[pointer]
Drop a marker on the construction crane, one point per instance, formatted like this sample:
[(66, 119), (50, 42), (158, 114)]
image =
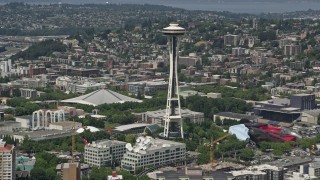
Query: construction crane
[(213, 142)]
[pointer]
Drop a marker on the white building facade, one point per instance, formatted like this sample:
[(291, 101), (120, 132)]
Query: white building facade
[(104, 152), (149, 152)]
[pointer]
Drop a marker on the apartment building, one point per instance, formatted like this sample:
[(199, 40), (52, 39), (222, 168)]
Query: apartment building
[(104, 152), (292, 50), (7, 161), (152, 152), (231, 40)]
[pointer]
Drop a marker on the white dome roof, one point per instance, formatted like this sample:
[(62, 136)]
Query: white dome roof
[(90, 128)]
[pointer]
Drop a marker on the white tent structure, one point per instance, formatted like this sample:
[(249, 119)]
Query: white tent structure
[(101, 96), (90, 128), (241, 132)]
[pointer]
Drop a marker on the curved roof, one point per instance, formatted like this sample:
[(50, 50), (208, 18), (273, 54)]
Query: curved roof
[(152, 128), (174, 29), (101, 96)]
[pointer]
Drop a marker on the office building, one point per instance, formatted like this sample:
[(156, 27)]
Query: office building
[(7, 161), (152, 152), (303, 101), (104, 152)]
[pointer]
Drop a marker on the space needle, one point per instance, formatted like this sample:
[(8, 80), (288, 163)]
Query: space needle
[(173, 120)]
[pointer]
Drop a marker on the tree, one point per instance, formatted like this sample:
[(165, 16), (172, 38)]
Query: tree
[(218, 121), (131, 138), (246, 154)]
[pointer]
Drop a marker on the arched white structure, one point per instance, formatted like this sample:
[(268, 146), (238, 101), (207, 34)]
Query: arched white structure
[(42, 118), (95, 111)]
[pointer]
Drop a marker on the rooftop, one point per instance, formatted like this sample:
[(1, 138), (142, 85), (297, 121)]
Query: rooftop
[(131, 126), (101, 96), (238, 116), (104, 143), (147, 144)]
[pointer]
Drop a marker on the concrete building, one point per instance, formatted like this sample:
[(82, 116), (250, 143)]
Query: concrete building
[(191, 173), (30, 93), (191, 60), (136, 128), (284, 109), (152, 152), (303, 101), (82, 88), (217, 58), (7, 161), (263, 172), (238, 51), (65, 125), (30, 83), (9, 125), (235, 117), (148, 88), (231, 40), (157, 117), (310, 116), (5, 67), (70, 171), (292, 50), (104, 152), (312, 169), (25, 121)]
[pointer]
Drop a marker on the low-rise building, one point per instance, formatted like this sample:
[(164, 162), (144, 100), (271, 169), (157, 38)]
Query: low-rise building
[(157, 117), (104, 152), (153, 152), (30, 93), (235, 116)]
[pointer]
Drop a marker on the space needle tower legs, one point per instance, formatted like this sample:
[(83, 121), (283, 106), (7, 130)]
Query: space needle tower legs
[(173, 120)]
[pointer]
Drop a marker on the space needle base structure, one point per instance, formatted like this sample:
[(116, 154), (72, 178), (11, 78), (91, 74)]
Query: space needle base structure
[(172, 120)]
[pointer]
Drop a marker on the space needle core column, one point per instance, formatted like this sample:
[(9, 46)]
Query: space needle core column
[(173, 121)]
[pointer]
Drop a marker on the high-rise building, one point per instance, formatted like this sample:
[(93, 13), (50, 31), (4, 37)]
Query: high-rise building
[(173, 120), (152, 152), (231, 40), (292, 50), (104, 152), (254, 23), (7, 161)]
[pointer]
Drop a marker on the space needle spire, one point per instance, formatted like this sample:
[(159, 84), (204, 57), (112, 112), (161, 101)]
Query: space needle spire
[(173, 120)]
